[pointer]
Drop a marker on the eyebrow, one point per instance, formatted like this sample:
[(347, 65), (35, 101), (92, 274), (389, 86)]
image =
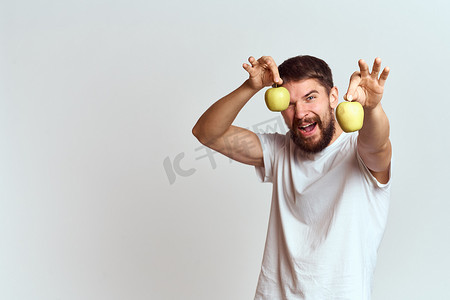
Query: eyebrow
[(311, 92), (307, 94)]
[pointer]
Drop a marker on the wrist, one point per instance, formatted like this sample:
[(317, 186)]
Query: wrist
[(370, 109), (248, 85)]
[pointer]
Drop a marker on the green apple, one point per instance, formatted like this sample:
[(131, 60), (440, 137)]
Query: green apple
[(350, 116), (277, 98)]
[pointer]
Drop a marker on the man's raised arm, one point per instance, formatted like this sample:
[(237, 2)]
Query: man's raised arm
[(214, 129), (374, 145)]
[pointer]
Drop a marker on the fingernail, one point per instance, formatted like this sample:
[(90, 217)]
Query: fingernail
[(349, 97)]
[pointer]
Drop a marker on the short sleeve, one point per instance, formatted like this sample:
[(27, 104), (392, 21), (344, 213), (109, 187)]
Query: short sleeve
[(369, 176), (271, 143)]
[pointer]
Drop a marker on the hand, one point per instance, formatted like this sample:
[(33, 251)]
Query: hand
[(263, 72), (365, 87)]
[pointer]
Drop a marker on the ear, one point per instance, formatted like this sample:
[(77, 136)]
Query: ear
[(334, 97)]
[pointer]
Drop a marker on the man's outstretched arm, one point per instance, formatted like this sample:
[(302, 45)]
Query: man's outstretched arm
[(374, 145), (214, 129)]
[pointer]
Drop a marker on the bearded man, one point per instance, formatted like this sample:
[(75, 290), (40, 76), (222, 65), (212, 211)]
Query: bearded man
[(330, 189)]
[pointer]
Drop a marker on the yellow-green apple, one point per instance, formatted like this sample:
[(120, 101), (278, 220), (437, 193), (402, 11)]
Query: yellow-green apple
[(350, 116), (277, 98)]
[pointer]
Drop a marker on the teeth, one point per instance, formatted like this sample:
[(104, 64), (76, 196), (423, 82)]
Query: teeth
[(307, 125)]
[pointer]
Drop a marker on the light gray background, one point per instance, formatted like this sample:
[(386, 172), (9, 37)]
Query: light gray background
[(95, 96)]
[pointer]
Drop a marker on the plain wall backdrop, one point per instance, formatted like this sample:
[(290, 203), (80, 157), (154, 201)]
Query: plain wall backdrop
[(105, 193)]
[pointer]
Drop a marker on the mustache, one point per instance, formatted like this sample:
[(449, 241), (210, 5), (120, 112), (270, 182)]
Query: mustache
[(309, 119)]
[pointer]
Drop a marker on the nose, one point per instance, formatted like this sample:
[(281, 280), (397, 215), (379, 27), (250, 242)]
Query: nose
[(301, 110)]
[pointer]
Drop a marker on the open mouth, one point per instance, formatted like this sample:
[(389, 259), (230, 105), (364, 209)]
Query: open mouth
[(308, 127)]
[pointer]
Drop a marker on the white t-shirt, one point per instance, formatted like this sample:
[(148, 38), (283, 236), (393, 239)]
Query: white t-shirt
[(327, 220)]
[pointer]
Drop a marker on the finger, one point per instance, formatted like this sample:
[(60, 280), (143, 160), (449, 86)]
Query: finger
[(272, 66), (384, 76), (351, 94), (252, 60), (247, 67), (363, 67), (376, 67)]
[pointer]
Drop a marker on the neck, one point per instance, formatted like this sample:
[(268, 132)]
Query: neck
[(337, 131)]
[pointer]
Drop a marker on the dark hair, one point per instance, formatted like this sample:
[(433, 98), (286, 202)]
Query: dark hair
[(306, 67)]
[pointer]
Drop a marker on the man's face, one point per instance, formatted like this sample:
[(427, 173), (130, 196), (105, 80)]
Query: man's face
[(310, 115)]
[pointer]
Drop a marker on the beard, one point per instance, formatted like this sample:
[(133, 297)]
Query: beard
[(327, 130)]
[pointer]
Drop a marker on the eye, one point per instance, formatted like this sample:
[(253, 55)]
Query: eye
[(310, 98)]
